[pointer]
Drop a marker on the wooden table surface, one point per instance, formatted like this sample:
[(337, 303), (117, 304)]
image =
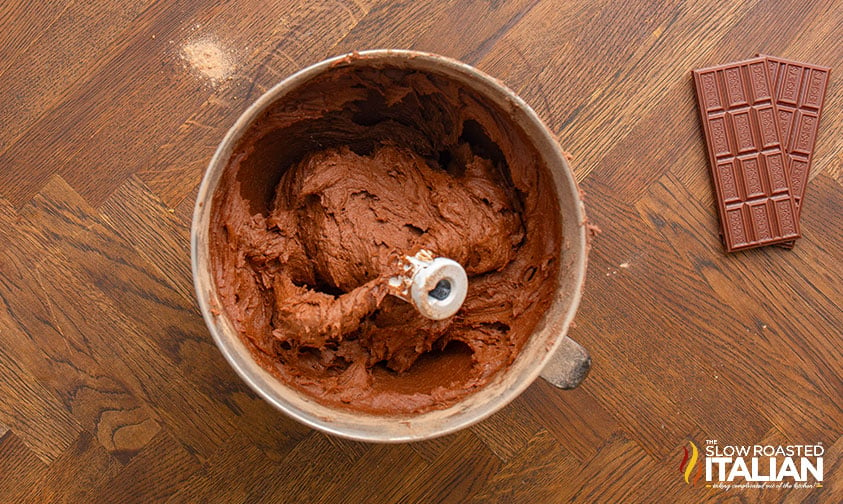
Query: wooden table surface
[(111, 389)]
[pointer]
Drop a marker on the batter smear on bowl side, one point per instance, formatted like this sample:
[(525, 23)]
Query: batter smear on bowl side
[(337, 182)]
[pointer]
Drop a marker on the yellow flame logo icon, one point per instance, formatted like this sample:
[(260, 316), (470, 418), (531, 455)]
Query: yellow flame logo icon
[(689, 462)]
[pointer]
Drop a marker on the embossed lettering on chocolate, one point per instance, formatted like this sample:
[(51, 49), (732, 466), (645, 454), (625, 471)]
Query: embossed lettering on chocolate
[(747, 159), (341, 178)]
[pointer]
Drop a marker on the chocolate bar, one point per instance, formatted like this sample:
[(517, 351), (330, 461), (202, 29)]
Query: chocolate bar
[(747, 160), (798, 91)]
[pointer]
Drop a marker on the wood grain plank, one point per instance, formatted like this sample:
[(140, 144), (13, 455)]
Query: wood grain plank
[(354, 449), (621, 335), (573, 417), (198, 420), (639, 278), (309, 471), (661, 479), (106, 396), (272, 432), (34, 414), (97, 400), (613, 391), (40, 336), (175, 347), (437, 27), (658, 68), (22, 23), (430, 449), (94, 124), (83, 466), (611, 475), (538, 473), (820, 232), (762, 27), (20, 467), (397, 464), (456, 474), (83, 239), (649, 155), (228, 475), (624, 60), (283, 39), (53, 53), (562, 53), (510, 429), (184, 210), (746, 288), (128, 328), (14, 233), (153, 476), (145, 222)]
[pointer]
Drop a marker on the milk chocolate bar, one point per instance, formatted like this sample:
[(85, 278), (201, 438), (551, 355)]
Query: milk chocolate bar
[(798, 92), (747, 159)]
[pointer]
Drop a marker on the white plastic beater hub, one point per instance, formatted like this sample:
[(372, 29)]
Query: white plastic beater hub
[(435, 286)]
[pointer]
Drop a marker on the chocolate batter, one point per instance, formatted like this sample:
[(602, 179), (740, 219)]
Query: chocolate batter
[(332, 187)]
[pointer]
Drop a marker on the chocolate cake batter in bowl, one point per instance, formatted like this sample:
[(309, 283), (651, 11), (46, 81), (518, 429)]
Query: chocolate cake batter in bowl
[(341, 188)]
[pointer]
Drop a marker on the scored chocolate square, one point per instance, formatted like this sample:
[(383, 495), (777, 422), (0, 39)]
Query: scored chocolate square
[(798, 91), (747, 159)]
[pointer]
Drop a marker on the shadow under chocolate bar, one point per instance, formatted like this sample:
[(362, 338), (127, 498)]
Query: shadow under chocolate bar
[(748, 164)]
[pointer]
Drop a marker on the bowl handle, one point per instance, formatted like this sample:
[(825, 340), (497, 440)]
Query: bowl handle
[(569, 365)]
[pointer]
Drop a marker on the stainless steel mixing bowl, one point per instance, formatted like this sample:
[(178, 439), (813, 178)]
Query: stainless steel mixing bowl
[(548, 352)]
